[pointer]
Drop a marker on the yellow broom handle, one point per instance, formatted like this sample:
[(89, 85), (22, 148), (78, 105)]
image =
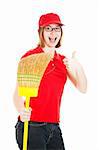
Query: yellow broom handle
[(25, 136)]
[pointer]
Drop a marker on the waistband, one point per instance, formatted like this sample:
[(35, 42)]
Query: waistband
[(38, 123)]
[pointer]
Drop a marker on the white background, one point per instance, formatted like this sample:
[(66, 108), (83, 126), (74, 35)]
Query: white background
[(18, 33)]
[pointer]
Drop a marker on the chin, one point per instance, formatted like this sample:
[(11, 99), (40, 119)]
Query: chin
[(52, 45)]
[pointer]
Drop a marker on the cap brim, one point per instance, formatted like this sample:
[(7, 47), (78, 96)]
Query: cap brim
[(46, 24)]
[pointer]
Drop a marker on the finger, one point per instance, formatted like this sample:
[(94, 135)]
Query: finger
[(27, 110), (65, 59), (25, 114), (28, 114), (74, 54), (68, 67), (25, 119), (66, 62), (30, 109)]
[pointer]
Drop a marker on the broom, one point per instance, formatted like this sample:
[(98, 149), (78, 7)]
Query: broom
[(29, 75)]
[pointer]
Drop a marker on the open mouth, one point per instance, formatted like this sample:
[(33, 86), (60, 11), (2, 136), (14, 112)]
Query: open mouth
[(52, 39)]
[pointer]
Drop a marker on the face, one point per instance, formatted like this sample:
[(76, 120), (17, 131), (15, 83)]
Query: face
[(52, 35)]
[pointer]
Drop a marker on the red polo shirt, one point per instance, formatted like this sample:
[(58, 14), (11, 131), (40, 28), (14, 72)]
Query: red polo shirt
[(46, 106)]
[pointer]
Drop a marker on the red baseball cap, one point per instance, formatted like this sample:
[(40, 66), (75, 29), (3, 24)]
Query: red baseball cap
[(49, 18)]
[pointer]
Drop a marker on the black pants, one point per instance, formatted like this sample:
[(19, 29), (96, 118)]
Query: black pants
[(42, 136)]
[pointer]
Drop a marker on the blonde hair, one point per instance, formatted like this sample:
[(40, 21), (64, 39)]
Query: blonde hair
[(41, 38)]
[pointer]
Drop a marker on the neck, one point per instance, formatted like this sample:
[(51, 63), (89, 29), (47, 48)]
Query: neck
[(49, 49)]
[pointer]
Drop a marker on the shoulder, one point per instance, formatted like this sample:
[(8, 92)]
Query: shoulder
[(31, 51)]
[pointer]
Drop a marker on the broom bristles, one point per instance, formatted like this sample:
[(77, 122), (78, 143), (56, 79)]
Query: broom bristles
[(31, 70)]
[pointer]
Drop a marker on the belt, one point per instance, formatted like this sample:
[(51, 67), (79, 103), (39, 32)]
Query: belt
[(41, 123)]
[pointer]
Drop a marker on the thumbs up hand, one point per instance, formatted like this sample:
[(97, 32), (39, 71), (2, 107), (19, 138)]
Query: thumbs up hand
[(71, 63), (76, 73)]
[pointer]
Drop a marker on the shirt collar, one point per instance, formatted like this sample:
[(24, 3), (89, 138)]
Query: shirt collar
[(42, 51)]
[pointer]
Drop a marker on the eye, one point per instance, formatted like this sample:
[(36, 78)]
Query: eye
[(58, 28), (48, 28)]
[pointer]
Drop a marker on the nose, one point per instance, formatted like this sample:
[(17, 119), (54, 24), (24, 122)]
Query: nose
[(53, 32)]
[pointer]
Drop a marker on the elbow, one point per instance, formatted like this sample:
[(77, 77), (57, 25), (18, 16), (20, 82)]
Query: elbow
[(82, 88)]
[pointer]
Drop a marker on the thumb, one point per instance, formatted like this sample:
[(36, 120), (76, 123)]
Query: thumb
[(74, 54), (30, 109)]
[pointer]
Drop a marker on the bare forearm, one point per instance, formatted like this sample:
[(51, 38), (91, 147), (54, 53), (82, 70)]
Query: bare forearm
[(78, 78), (81, 81), (18, 101), (19, 104)]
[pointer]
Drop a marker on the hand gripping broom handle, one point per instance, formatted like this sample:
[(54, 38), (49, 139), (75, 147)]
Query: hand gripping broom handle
[(25, 136)]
